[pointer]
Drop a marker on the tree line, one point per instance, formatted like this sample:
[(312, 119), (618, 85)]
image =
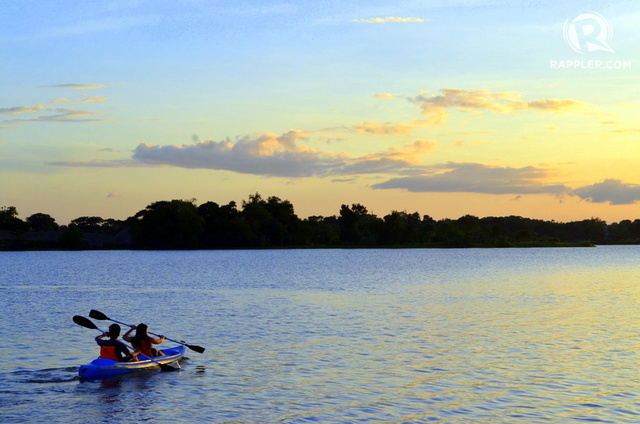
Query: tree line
[(272, 223)]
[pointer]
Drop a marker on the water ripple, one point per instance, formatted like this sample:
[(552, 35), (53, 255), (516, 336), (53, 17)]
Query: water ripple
[(420, 336)]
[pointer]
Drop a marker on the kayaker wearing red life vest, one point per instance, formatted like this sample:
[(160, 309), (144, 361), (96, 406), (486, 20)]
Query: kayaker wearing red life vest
[(113, 348), (142, 342)]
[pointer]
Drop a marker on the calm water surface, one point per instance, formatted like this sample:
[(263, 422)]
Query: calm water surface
[(330, 336)]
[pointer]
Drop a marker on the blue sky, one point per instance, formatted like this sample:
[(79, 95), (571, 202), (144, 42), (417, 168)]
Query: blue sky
[(109, 106)]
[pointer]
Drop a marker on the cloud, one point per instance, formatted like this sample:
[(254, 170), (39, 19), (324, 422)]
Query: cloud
[(610, 190), (76, 86), (477, 178), (436, 108), (270, 155), (21, 109), (94, 99), (261, 154), (384, 96), (55, 114), (396, 160), (389, 19), (62, 115), (290, 155), (377, 128), (98, 163), (408, 153)]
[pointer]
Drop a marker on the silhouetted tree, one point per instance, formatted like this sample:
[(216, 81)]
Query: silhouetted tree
[(173, 224), (348, 222), (223, 226), (322, 231), (272, 221), (9, 220), (42, 222), (593, 229), (404, 228), (89, 224)]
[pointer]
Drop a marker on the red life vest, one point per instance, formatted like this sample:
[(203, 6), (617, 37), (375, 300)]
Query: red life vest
[(108, 352), (143, 346)]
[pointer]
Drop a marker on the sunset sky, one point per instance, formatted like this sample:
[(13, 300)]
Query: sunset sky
[(442, 107)]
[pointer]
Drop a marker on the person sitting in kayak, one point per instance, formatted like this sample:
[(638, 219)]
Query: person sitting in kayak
[(113, 348), (142, 342)]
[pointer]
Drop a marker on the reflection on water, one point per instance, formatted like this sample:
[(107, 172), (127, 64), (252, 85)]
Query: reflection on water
[(451, 336)]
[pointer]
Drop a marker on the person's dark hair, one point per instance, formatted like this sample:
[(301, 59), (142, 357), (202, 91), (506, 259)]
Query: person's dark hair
[(141, 332), (114, 331)]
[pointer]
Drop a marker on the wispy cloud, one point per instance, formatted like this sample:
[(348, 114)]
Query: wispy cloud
[(74, 86), (406, 159), (388, 128), (70, 115), (99, 163), (384, 96), (436, 108), (93, 99), (57, 115), (18, 110), (388, 19), (45, 112), (610, 190)]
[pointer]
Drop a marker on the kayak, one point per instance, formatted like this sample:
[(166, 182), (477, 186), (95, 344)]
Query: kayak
[(103, 367)]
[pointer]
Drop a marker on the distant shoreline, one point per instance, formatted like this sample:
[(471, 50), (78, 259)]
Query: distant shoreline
[(271, 223), (434, 246)]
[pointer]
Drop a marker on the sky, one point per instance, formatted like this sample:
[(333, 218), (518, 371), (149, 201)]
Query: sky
[(446, 108)]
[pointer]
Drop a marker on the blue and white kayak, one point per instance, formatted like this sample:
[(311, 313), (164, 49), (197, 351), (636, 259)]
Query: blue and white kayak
[(102, 367)]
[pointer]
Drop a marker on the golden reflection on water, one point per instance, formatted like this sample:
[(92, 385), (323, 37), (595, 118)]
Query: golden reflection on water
[(564, 337)]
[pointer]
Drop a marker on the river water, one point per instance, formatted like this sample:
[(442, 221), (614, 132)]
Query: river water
[(330, 336)]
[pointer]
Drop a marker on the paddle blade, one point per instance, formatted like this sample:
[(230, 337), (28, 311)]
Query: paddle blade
[(84, 322), (98, 315), (198, 349), (169, 368)]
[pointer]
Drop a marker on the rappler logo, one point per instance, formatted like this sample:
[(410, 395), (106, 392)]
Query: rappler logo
[(588, 32)]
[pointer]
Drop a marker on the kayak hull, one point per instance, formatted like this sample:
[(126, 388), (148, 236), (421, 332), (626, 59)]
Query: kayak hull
[(102, 367)]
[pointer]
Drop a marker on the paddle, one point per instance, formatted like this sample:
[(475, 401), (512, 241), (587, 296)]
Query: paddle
[(85, 322), (100, 316)]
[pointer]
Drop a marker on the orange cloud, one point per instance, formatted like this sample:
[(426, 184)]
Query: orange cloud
[(378, 128), (436, 107), (384, 96), (74, 86)]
